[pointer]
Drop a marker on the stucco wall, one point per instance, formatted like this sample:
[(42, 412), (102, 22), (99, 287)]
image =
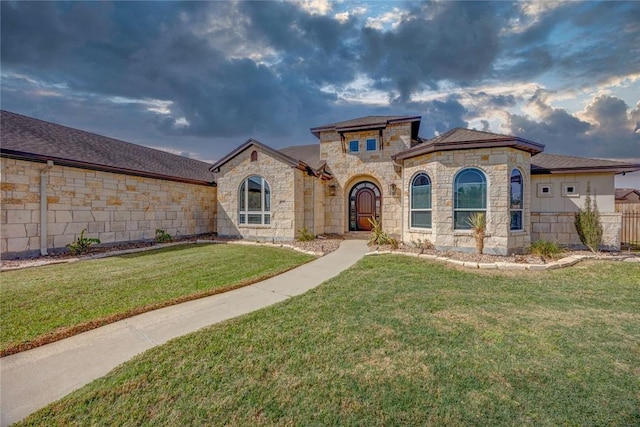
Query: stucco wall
[(112, 207), (602, 186), (376, 166), (287, 197), (442, 167)]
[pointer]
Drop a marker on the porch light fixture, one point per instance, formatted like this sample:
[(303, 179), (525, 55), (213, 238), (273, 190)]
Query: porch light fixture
[(393, 189)]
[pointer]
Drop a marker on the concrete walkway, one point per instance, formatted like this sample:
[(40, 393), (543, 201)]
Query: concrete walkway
[(32, 379)]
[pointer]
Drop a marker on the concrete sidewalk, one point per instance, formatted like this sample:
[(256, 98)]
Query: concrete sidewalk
[(32, 379)]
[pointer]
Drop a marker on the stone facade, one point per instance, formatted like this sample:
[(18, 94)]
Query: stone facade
[(442, 167), (287, 186), (349, 169), (560, 228), (112, 207)]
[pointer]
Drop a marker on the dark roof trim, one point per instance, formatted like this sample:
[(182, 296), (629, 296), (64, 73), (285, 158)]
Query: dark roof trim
[(431, 147), (349, 126), (622, 168), (275, 153), (19, 155)]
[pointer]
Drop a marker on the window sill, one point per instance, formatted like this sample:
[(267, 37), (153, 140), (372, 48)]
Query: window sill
[(420, 230), (254, 225), (467, 233)]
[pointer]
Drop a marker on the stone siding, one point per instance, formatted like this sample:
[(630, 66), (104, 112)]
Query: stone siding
[(287, 197), (560, 228), (349, 169), (442, 167), (112, 207)]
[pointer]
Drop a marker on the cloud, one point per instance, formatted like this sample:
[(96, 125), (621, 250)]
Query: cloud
[(605, 128)]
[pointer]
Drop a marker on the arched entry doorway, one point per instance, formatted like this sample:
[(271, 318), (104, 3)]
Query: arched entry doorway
[(364, 204)]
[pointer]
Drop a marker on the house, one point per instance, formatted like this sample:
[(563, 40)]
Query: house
[(57, 181), (378, 167), (627, 195)]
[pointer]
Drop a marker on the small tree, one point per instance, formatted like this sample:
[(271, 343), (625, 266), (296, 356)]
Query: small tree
[(587, 222), (478, 223)]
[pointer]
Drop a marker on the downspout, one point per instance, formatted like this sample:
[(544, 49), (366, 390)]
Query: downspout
[(44, 173)]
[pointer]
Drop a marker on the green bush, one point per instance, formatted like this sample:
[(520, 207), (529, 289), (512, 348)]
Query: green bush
[(588, 224), (162, 236), (304, 235), (81, 244), (546, 248)]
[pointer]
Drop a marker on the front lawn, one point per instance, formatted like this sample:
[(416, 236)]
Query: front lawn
[(41, 304), (396, 341)]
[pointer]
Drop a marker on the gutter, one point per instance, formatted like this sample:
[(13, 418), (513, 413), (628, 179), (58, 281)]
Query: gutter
[(44, 174)]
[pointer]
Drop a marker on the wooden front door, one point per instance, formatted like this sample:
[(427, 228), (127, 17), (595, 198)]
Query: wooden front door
[(365, 208)]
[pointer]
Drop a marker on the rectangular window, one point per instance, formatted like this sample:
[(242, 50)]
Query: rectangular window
[(570, 189), (372, 144), (354, 146), (545, 190)]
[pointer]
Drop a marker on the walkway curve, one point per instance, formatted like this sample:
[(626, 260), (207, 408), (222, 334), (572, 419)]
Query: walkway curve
[(32, 379)]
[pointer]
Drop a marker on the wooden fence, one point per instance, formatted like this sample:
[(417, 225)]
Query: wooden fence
[(630, 230)]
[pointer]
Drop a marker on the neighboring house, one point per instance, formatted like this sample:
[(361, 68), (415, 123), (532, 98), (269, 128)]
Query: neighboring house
[(371, 167), (627, 195), (57, 181), (378, 167)]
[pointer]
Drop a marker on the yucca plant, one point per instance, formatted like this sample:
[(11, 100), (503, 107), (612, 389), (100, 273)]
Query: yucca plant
[(378, 236), (478, 223)]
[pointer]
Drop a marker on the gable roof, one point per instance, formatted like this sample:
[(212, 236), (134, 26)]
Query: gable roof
[(32, 139), (553, 163), (364, 123), (461, 139), (622, 193), (254, 143), (309, 154)]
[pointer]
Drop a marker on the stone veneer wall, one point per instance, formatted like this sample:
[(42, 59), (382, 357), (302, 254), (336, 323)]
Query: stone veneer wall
[(560, 228), (376, 166), (112, 207), (287, 197), (314, 193), (442, 167)]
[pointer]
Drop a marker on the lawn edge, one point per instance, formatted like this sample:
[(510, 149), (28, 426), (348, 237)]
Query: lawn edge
[(70, 331)]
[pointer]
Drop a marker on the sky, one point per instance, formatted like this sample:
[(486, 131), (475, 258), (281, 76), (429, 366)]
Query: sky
[(200, 78)]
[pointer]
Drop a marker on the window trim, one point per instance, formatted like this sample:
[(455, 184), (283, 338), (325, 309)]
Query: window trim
[(567, 193), (521, 208), (265, 196), (375, 144), (412, 209), (485, 182), (351, 146), (542, 186)]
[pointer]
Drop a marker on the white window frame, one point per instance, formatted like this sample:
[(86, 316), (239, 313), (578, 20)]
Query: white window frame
[(541, 188), (565, 189), (412, 209), (478, 210), (375, 144), (265, 214), (515, 210)]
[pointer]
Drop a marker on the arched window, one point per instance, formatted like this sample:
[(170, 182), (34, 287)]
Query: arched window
[(469, 197), (420, 201), (254, 201), (516, 193)]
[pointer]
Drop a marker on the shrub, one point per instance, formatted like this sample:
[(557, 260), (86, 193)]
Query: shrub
[(423, 245), (81, 244), (587, 222), (304, 235), (546, 248), (162, 236), (478, 223), (378, 236), (394, 243)]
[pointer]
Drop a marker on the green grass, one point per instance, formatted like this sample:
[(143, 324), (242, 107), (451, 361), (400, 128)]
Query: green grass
[(42, 304), (396, 341)]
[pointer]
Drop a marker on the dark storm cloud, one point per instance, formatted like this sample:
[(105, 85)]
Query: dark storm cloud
[(455, 41), (440, 116), (606, 131)]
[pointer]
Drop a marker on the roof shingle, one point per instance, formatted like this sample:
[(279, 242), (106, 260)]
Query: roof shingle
[(30, 138)]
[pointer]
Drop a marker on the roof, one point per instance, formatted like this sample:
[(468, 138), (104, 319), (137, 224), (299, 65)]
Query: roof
[(553, 163), (460, 139), (622, 193), (254, 143), (32, 139), (309, 154), (364, 123)]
